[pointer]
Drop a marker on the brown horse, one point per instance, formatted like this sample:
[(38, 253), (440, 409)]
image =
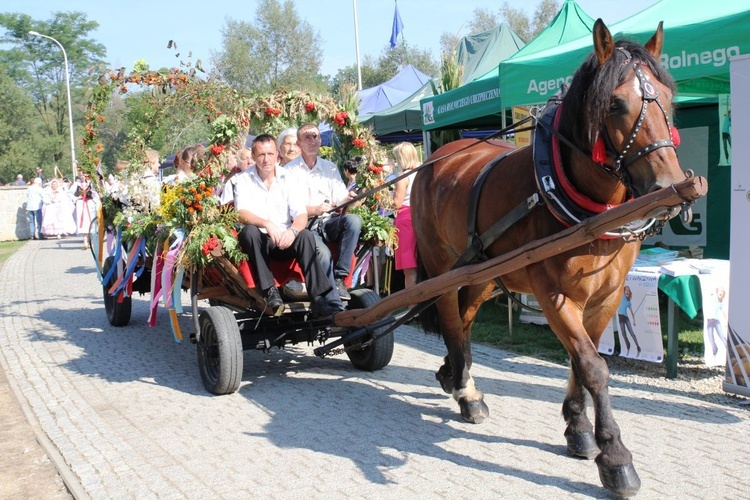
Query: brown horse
[(613, 141)]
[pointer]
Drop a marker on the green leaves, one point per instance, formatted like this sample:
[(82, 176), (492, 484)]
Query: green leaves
[(223, 130), (375, 227)]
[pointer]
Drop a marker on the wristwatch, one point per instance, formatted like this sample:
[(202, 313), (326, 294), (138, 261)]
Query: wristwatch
[(294, 231)]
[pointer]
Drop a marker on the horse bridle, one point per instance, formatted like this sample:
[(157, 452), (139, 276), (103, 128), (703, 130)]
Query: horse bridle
[(648, 94)]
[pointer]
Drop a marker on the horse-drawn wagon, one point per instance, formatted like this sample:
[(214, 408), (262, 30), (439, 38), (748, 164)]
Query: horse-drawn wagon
[(556, 221)]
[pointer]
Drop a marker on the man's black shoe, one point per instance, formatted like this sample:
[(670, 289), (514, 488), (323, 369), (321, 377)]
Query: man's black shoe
[(273, 301), (341, 288)]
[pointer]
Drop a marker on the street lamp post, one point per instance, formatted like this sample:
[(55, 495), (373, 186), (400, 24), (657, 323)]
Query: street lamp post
[(70, 106)]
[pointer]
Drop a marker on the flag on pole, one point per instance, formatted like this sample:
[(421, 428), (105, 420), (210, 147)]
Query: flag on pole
[(398, 26)]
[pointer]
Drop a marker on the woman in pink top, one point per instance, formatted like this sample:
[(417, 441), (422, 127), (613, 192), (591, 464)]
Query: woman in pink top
[(407, 158)]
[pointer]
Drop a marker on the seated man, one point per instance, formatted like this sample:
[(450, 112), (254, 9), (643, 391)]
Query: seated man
[(325, 190), (271, 207)]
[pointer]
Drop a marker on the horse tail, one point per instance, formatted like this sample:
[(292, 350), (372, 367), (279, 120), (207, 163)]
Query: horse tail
[(429, 317)]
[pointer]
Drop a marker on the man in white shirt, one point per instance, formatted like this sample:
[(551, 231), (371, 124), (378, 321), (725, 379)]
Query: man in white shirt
[(271, 207), (326, 190), (34, 202)]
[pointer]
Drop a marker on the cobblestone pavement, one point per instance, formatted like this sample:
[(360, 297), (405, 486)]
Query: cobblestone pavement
[(127, 412)]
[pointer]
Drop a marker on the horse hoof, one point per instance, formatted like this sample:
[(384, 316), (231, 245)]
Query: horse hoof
[(621, 480), (473, 411), (446, 382), (582, 445)]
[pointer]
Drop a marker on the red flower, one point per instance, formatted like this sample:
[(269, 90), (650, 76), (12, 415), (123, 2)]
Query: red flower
[(358, 143), (375, 169), (217, 149), (340, 118), (209, 245), (310, 106), (273, 111)]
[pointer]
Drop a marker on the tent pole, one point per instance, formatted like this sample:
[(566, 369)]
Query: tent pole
[(426, 142), (503, 121)]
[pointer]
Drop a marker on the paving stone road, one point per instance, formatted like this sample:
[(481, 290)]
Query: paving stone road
[(128, 416)]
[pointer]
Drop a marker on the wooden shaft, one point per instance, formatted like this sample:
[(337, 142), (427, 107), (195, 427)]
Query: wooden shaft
[(654, 205)]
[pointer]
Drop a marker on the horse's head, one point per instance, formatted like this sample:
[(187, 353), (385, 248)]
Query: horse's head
[(619, 107)]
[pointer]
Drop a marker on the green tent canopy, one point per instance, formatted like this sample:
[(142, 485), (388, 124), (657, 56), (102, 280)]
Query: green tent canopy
[(699, 39), (478, 104), (571, 23), (480, 94)]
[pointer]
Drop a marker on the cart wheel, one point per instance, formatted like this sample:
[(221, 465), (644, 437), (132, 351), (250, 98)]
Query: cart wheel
[(118, 313), (220, 351), (378, 354)]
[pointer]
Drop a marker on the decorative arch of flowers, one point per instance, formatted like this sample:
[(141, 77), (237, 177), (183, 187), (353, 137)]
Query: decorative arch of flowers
[(189, 210)]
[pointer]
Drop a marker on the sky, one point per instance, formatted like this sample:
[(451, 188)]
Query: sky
[(141, 29)]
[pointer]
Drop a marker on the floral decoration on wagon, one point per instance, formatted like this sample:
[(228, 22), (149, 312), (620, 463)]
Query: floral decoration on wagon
[(192, 207), (281, 109)]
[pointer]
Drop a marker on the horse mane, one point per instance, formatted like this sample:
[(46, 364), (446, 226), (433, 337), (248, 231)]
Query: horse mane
[(586, 105)]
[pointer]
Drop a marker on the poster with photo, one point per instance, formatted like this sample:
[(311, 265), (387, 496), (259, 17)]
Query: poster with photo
[(606, 342), (715, 291), (637, 318), (725, 127)]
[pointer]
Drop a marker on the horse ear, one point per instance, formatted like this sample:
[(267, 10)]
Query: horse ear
[(656, 43), (604, 45)]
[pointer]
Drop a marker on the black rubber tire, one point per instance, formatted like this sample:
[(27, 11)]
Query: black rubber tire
[(378, 354), (118, 313), (220, 351)]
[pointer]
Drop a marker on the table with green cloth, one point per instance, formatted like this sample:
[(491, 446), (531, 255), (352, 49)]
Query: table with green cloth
[(685, 292)]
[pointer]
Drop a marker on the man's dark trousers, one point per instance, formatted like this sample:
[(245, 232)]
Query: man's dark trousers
[(259, 247)]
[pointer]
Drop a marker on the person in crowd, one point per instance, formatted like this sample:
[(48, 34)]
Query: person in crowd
[(243, 163), (407, 158), (40, 174), (57, 211), (326, 190), (34, 202), (626, 327), (86, 200), (271, 207), (288, 147), (189, 157), (151, 168), (350, 171), (19, 181)]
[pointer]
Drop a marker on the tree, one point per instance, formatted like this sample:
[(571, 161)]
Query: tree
[(524, 26), (36, 64), (19, 134), (528, 28), (278, 49), (483, 20)]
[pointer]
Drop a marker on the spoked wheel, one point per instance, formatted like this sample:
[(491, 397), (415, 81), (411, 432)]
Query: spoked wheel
[(378, 354), (118, 313), (220, 351)]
